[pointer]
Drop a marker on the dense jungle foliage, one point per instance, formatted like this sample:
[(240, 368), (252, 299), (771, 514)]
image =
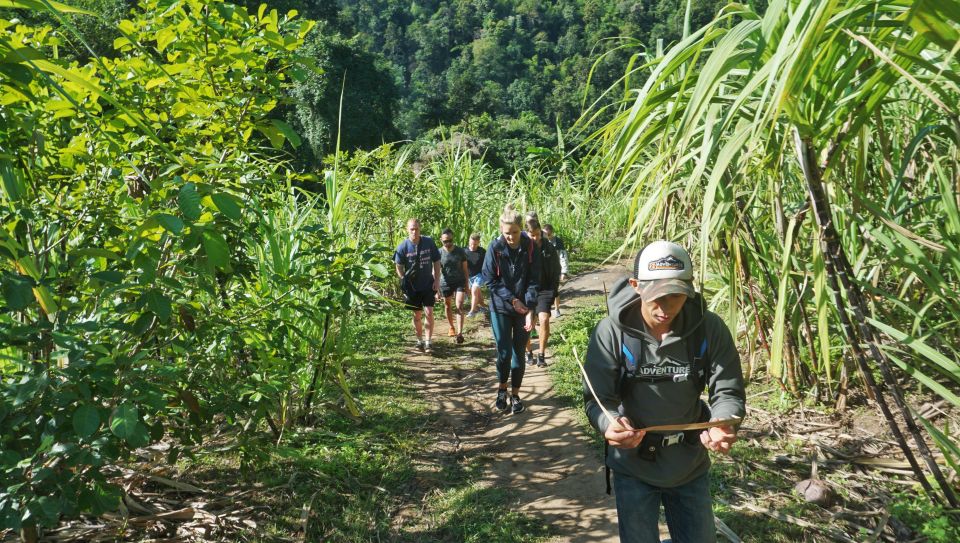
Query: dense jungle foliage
[(163, 272), (509, 72)]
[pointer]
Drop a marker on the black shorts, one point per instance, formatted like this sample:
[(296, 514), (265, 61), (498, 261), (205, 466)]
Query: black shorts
[(545, 300), (449, 290), (419, 299)]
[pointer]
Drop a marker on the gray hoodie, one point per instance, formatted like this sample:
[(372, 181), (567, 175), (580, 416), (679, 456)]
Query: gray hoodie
[(664, 402)]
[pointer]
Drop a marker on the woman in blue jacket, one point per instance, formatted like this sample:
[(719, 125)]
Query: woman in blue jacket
[(511, 270)]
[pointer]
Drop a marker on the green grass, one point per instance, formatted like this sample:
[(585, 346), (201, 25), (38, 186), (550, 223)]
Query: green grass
[(592, 254), (376, 479), (575, 328)]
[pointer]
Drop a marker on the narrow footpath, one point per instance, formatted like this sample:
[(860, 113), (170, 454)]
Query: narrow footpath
[(542, 453)]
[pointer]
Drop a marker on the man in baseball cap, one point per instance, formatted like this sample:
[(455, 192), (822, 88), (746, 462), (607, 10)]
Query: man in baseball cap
[(648, 363), (663, 268)]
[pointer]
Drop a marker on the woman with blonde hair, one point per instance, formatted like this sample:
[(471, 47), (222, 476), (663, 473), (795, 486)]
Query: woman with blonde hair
[(511, 270)]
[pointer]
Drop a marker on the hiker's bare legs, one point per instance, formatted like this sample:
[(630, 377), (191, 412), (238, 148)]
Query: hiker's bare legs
[(447, 306), (459, 307), (418, 323), (476, 298), (429, 327), (543, 332)]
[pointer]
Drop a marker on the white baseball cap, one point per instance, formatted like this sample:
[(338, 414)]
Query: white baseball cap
[(662, 268)]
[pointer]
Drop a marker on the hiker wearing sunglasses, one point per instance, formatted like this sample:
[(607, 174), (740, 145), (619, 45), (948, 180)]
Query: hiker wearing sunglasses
[(453, 282), (511, 270), (648, 362), (417, 262)]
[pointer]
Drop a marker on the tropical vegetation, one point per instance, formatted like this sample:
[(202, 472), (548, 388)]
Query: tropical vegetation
[(817, 142)]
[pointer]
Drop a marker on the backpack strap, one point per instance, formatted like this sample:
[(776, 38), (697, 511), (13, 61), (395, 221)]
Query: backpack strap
[(697, 352)]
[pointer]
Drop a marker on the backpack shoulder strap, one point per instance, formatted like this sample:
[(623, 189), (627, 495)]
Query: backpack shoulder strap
[(698, 349)]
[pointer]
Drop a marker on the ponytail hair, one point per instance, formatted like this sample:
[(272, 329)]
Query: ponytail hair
[(511, 216)]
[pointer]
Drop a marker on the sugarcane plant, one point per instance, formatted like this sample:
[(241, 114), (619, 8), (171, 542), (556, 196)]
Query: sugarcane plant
[(817, 142)]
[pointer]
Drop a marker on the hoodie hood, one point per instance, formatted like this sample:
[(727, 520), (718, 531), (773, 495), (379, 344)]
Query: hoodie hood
[(623, 306)]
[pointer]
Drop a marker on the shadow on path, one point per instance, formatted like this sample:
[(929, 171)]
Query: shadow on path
[(541, 456)]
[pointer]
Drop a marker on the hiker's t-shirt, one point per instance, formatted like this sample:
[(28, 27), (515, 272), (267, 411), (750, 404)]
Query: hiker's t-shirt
[(475, 260), (451, 267), (406, 255)]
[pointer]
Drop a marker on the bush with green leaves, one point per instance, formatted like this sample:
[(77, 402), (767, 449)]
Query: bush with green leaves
[(150, 281)]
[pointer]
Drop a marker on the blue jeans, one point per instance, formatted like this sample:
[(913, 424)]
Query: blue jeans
[(688, 508), (511, 341)]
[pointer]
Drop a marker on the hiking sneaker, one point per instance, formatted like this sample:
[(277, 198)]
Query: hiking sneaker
[(541, 360), (555, 313), (452, 332), (501, 403), (516, 406), (530, 360), (459, 339), (427, 347), (420, 345)]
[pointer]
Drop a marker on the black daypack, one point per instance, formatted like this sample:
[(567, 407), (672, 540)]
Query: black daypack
[(410, 276)]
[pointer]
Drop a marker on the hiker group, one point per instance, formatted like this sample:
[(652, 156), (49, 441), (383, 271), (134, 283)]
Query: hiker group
[(646, 365), (522, 270)]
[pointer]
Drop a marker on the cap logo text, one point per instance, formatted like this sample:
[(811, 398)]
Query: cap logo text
[(668, 262)]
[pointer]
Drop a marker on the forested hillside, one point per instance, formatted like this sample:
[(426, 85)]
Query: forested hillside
[(507, 71)]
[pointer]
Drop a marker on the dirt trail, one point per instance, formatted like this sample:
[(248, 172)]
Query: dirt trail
[(542, 453)]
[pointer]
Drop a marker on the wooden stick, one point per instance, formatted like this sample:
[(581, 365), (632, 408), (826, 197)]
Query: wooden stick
[(583, 370), (734, 421)]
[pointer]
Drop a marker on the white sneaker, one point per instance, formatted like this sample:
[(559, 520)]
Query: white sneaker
[(470, 314), (555, 313)]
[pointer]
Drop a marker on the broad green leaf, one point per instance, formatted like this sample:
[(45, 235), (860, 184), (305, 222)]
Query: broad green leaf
[(287, 131), (124, 420), (227, 205), (86, 420), (273, 134), (158, 304), (170, 223), (109, 276), (217, 249), (17, 291), (165, 37), (189, 201), (379, 270)]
